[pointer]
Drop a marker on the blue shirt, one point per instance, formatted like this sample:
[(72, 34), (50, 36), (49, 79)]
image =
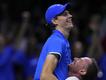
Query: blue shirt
[(102, 64), (57, 44)]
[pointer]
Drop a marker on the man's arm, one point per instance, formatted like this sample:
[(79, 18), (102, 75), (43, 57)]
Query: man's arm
[(49, 67)]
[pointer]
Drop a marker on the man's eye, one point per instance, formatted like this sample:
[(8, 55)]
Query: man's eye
[(64, 14)]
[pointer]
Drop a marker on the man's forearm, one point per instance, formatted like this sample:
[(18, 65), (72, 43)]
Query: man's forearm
[(48, 77), (49, 67)]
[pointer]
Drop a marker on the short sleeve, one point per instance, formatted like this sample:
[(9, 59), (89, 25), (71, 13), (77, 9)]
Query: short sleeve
[(56, 46)]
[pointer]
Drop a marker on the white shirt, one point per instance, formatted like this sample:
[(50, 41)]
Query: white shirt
[(72, 78)]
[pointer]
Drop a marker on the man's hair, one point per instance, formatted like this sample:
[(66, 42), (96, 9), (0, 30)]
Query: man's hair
[(51, 25), (92, 71)]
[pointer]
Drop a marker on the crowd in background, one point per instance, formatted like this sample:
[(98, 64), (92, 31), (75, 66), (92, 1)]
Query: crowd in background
[(23, 33)]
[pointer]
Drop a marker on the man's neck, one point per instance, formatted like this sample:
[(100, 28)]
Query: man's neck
[(64, 32)]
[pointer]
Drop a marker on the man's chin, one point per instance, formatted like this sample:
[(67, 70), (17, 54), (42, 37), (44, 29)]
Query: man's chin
[(71, 26)]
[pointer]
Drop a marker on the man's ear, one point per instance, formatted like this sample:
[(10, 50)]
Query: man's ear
[(83, 71), (54, 21)]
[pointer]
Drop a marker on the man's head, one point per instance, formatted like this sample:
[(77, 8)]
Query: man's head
[(59, 16), (84, 67)]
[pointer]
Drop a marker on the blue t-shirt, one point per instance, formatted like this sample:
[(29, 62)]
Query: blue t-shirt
[(57, 44), (102, 64)]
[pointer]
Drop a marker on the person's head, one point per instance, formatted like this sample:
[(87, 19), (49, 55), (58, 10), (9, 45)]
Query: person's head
[(95, 22), (26, 15), (59, 16), (84, 67), (77, 49)]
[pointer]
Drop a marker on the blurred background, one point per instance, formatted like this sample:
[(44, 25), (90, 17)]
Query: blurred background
[(23, 31)]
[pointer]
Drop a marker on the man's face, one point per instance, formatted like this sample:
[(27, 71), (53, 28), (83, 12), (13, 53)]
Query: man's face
[(80, 64), (64, 20)]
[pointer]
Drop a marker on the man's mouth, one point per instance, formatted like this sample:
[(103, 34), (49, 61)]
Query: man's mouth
[(68, 20)]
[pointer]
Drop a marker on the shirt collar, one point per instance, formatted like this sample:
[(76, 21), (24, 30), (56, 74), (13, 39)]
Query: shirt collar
[(60, 34)]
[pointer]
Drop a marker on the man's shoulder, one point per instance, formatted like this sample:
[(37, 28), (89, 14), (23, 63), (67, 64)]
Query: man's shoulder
[(55, 39), (72, 78)]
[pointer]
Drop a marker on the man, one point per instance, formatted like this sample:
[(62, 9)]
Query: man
[(56, 54), (83, 69)]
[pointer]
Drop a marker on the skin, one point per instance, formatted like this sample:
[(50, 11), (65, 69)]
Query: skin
[(64, 24)]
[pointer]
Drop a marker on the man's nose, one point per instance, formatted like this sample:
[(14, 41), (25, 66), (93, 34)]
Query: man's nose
[(69, 15)]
